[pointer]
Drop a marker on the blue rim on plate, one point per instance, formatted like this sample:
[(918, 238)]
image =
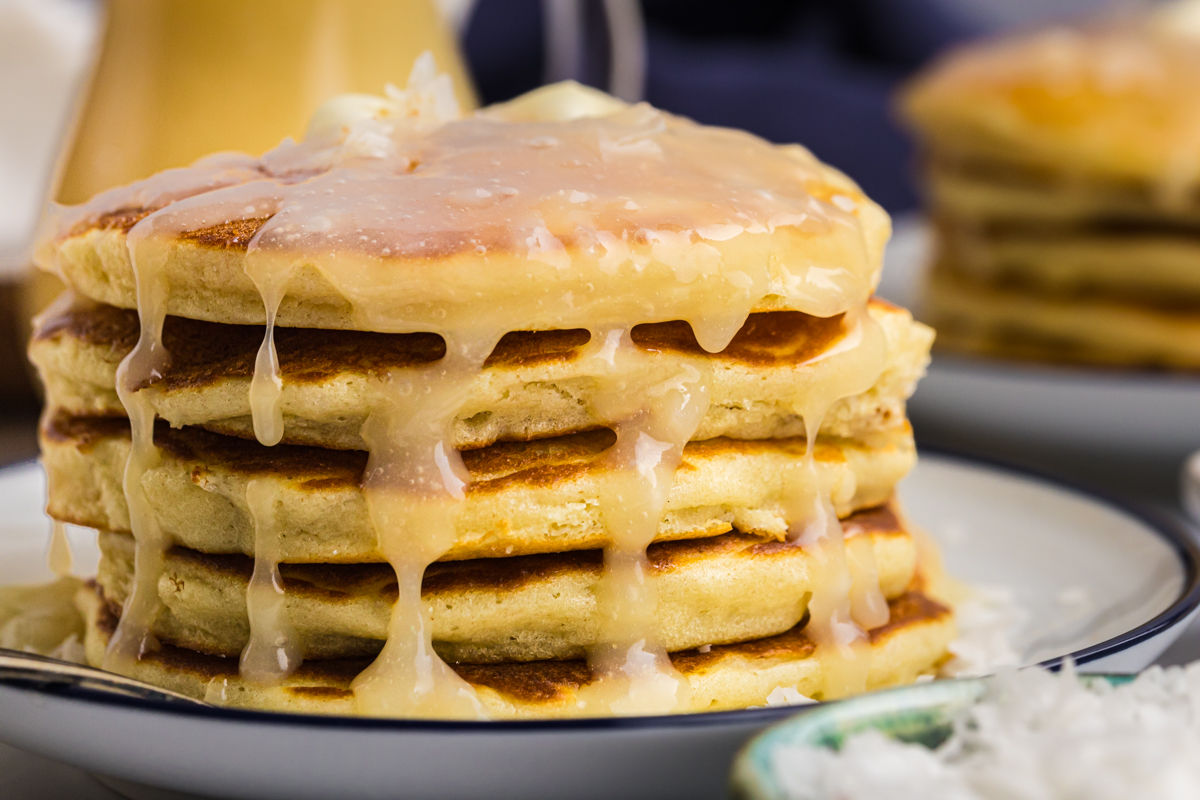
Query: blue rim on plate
[(1167, 526)]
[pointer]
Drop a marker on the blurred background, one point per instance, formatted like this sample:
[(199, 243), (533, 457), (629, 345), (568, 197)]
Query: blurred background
[(97, 94)]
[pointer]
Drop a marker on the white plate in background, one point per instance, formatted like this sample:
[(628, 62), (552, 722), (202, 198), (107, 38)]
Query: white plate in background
[(1136, 577), (1114, 412)]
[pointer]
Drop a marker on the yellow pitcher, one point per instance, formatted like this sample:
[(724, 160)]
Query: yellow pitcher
[(178, 79)]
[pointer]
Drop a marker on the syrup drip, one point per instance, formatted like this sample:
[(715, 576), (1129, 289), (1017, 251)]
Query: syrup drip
[(868, 606), (58, 556), (846, 599), (266, 387), (272, 654), (655, 416), (842, 646), (414, 482), (216, 692), (144, 364)]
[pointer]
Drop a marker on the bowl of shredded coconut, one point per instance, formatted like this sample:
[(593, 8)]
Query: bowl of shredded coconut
[(1019, 735)]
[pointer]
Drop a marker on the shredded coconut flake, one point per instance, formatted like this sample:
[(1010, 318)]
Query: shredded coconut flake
[(787, 696), (988, 618), (1034, 736)]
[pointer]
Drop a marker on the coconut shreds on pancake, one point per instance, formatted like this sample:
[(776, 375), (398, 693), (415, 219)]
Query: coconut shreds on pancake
[(534, 384), (722, 589), (524, 497), (722, 677)]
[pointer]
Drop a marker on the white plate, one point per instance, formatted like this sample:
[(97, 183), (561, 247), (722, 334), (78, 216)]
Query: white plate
[(996, 527), (1145, 415)]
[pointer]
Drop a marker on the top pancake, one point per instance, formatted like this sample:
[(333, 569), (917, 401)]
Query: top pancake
[(546, 213), (1114, 104)]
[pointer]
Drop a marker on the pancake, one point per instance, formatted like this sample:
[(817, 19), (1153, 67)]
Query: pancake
[(723, 589), (533, 385), (524, 497), (533, 216), (975, 317), (722, 677), (1109, 103), (1069, 264), (997, 192)]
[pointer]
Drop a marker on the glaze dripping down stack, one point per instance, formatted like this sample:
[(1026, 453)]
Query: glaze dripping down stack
[(524, 433)]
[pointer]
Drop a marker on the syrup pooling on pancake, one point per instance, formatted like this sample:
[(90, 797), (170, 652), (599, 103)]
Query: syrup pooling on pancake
[(567, 222)]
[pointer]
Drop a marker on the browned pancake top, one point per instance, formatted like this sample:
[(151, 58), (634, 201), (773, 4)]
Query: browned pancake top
[(204, 353), (908, 609), (121, 219), (873, 520), (766, 339), (234, 234)]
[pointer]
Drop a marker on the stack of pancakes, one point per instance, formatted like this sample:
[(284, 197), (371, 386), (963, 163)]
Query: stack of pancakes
[(262, 552), (1063, 171)]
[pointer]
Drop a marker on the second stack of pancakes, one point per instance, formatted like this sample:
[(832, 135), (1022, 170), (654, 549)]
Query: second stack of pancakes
[(1062, 183), (516, 603)]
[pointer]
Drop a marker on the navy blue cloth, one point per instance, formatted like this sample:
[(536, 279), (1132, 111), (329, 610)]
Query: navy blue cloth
[(821, 73)]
